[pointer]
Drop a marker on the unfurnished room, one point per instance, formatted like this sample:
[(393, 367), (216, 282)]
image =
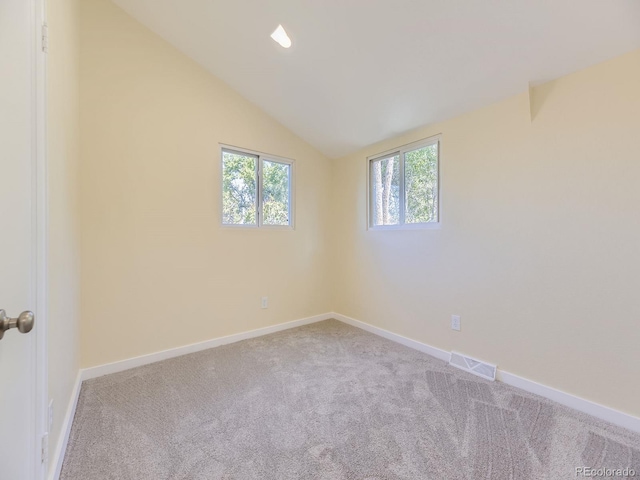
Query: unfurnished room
[(319, 239)]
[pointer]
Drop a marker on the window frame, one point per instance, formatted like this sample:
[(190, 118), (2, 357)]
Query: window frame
[(261, 157), (400, 152)]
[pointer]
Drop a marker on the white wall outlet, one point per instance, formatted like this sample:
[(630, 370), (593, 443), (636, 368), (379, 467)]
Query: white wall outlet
[(455, 322), (265, 302), (50, 419)]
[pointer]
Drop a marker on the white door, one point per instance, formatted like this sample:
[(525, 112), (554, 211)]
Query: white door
[(17, 239)]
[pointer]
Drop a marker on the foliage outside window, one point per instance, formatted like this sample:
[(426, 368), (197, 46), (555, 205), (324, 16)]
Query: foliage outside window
[(404, 186), (256, 191)]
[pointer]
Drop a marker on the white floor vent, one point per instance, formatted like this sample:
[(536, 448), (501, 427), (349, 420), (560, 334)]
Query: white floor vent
[(471, 365)]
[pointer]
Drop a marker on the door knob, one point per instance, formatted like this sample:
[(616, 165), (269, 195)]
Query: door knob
[(24, 323)]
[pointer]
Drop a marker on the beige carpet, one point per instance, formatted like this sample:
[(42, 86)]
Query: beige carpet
[(327, 401)]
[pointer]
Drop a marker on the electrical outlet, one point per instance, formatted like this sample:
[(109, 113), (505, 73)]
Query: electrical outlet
[(50, 419), (455, 322), (265, 302)]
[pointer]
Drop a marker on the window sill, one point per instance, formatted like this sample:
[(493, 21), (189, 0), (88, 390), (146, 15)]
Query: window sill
[(225, 226), (414, 226)]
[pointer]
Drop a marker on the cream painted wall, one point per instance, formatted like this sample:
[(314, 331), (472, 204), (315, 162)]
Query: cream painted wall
[(158, 270), (539, 245), (63, 253)]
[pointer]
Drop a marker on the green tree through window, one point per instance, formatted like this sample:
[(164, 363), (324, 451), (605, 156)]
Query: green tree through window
[(386, 190), (275, 193), (421, 185), (239, 188)]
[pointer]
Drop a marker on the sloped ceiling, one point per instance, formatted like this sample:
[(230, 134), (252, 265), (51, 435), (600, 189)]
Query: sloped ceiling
[(361, 71)]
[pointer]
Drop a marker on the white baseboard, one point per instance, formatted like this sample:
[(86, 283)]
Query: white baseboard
[(607, 414), (100, 370), (577, 403), (407, 342), (63, 439)]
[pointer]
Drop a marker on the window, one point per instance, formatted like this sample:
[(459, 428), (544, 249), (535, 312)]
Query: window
[(403, 186), (256, 189)]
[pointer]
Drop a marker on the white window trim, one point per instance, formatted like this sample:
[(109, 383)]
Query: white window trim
[(400, 151), (261, 157)]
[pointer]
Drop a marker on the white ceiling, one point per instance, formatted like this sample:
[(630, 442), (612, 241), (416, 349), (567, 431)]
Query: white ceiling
[(360, 71)]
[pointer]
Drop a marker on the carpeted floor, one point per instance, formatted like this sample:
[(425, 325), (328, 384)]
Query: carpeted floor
[(327, 401)]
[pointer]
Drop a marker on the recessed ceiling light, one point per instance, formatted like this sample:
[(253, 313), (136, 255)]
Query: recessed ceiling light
[(280, 36)]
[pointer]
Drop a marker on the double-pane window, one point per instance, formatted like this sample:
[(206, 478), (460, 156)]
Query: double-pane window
[(256, 189), (404, 186)]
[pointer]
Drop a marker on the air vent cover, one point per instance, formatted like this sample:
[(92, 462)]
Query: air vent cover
[(471, 365)]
